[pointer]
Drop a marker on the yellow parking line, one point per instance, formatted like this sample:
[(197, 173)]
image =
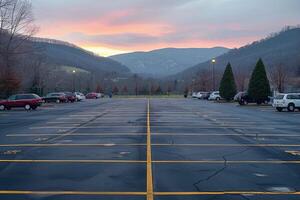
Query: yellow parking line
[(77, 134), (226, 134), (149, 157), (87, 193), (72, 161), (230, 145), (142, 144), (66, 145), (230, 161), (157, 134), (23, 192), (224, 193), (85, 127)]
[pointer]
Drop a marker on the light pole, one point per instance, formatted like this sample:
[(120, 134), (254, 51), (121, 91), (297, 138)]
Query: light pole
[(74, 72), (213, 61)]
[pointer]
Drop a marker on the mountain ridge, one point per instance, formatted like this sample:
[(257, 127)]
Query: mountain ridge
[(58, 52), (279, 48), (166, 61)]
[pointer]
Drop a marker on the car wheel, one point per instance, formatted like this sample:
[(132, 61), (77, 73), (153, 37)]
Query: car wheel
[(279, 109), (2, 107), (27, 107), (57, 101), (291, 107), (218, 99)]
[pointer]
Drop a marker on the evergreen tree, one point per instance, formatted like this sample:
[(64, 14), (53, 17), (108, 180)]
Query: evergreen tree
[(259, 86), (227, 85)]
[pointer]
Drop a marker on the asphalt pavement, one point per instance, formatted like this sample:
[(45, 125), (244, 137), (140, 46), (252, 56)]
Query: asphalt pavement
[(162, 149)]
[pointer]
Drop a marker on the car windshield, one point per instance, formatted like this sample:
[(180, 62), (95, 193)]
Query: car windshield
[(279, 96)]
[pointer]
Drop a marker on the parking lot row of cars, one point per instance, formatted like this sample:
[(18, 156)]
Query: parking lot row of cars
[(288, 101), (33, 101), (207, 95)]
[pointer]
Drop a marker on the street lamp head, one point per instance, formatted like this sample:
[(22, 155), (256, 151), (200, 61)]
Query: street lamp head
[(74, 71), (213, 60)]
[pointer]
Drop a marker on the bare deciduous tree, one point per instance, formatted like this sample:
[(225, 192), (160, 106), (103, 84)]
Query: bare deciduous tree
[(203, 81), (16, 27), (242, 79), (279, 77)]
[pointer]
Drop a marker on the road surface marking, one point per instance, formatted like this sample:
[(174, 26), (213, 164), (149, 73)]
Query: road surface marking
[(224, 193), (90, 193), (66, 145), (149, 170), (72, 161), (149, 157), (22, 192), (230, 145), (142, 144), (77, 134), (230, 161), (85, 127), (158, 134)]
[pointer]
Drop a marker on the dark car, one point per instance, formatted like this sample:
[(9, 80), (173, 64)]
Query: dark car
[(244, 99), (55, 97), (92, 95), (71, 97), (27, 101)]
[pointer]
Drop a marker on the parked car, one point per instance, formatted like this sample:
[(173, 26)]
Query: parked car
[(198, 95), (79, 96), (28, 101), (71, 97), (215, 96), (56, 97), (245, 99), (289, 101), (205, 95), (238, 96), (100, 95), (194, 95), (92, 95)]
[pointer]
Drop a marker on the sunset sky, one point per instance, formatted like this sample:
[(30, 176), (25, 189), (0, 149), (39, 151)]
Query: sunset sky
[(109, 27)]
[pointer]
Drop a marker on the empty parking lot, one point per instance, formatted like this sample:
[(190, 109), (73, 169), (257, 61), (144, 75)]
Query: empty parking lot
[(149, 149)]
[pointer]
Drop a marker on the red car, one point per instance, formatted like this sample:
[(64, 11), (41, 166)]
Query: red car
[(71, 97), (27, 101), (92, 95)]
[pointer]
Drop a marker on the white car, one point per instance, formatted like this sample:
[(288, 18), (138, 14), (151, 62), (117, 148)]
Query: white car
[(215, 96), (290, 101), (194, 94), (79, 96), (199, 95), (100, 95)]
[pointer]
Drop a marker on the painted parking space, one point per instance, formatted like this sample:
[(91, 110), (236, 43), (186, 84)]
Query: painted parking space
[(156, 149)]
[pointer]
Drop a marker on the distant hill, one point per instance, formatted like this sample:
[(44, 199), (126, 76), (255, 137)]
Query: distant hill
[(279, 48), (66, 54), (168, 61)]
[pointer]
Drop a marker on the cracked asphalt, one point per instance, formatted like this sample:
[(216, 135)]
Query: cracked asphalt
[(97, 149)]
